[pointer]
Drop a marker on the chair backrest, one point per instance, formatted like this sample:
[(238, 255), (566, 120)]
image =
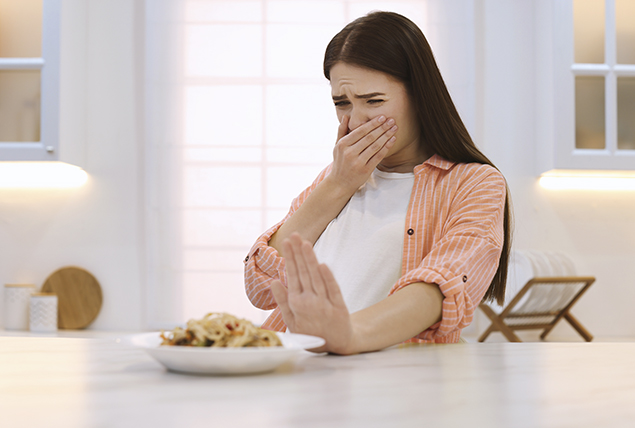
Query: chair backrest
[(528, 264), (550, 295)]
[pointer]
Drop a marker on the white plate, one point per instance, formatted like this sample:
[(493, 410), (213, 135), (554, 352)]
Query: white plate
[(223, 360)]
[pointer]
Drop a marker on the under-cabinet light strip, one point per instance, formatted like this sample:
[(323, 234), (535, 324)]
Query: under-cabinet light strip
[(20, 175), (589, 180)]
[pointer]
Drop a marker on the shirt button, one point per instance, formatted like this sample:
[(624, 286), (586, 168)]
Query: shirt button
[(464, 278), (411, 232), (246, 258)]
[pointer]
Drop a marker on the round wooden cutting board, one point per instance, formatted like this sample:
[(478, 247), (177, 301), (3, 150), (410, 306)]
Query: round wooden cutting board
[(79, 297)]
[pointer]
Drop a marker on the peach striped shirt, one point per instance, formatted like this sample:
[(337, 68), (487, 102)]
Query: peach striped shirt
[(453, 238)]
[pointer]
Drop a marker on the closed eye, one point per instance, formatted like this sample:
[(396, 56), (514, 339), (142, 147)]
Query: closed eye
[(375, 101), (341, 103)]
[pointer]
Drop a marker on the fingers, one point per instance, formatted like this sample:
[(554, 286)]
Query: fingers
[(293, 279), (281, 296), (375, 140), (303, 274), (369, 143), (359, 132), (311, 262), (342, 130), (333, 290), (366, 134), (377, 152)]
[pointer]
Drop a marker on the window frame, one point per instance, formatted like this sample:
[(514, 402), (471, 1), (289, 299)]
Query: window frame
[(47, 149), (556, 72)]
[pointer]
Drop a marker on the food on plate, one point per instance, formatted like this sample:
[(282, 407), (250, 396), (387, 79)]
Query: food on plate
[(220, 330)]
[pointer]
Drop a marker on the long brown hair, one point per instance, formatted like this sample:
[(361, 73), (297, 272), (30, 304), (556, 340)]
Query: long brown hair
[(392, 44)]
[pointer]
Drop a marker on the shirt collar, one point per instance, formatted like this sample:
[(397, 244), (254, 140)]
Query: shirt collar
[(435, 161)]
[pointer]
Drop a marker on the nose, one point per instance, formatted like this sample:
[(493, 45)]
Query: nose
[(357, 118)]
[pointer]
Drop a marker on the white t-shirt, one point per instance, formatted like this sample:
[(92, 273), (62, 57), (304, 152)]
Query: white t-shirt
[(363, 245)]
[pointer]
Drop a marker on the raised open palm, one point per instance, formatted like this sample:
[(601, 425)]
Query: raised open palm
[(312, 303)]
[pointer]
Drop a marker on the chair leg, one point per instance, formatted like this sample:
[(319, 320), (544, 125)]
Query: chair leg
[(560, 315), (578, 327), (509, 334), (498, 325), (548, 329), (486, 333)]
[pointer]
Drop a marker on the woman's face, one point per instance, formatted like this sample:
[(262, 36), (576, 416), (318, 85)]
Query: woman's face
[(362, 94)]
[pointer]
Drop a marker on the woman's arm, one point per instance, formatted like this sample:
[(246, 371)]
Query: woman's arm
[(355, 156), (313, 304), (464, 259), (397, 318), (311, 218), (446, 286)]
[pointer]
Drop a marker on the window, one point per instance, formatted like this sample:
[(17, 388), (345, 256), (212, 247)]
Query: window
[(29, 76)]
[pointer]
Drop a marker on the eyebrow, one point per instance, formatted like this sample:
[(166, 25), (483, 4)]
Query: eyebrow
[(363, 96)]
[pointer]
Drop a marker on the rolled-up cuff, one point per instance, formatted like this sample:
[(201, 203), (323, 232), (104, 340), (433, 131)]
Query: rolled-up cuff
[(267, 259), (457, 309)]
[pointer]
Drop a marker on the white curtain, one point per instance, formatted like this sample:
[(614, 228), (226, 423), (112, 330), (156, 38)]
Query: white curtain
[(239, 121)]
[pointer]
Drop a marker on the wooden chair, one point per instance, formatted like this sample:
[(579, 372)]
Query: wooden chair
[(539, 305)]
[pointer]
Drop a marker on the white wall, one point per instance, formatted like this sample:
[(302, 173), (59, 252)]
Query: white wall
[(98, 226)]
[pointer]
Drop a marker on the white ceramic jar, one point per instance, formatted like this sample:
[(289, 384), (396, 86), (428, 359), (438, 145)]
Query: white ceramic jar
[(43, 313), (16, 306)]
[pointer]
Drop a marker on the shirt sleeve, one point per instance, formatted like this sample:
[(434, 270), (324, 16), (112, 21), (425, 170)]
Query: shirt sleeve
[(464, 260), (263, 264)]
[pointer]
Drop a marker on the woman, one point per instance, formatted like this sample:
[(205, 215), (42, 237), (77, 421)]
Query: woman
[(402, 236)]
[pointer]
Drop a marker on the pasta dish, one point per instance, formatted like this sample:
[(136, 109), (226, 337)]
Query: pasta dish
[(220, 330)]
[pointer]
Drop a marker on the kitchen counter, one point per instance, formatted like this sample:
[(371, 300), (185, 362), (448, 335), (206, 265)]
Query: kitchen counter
[(76, 382)]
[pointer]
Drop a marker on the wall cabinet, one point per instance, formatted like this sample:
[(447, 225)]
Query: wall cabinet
[(585, 77), (32, 75)]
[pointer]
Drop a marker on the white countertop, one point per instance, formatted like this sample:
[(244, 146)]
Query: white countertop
[(76, 382)]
